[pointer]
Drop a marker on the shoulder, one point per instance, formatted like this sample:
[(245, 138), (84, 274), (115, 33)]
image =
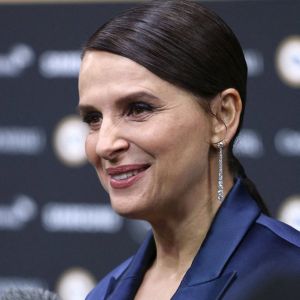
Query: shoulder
[(270, 249), (106, 283), (269, 244), (280, 230), (272, 242)]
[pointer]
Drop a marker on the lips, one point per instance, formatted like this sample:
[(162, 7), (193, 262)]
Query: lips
[(126, 175)]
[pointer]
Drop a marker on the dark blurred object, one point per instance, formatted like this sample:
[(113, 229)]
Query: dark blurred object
[(28, 294), (279, 288)]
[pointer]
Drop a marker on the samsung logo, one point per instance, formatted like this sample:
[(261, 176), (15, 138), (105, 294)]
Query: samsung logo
[(60, 64), (16, 215), (13, 63), (249, 144), (7, 283), (287, 142), (69, 141), (288, 61), (22, 140), (59, 217), (289, 211), (255, 62)]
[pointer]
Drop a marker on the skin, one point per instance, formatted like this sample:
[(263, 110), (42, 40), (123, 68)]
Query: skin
[(175, 138)]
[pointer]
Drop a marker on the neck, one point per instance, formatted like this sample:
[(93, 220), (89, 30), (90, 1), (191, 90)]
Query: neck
[(179, 238)]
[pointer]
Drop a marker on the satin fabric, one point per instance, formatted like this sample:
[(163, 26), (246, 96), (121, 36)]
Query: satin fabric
[(242, 250)]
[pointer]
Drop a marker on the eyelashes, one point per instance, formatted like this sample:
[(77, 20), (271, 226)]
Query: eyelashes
[(93, 119), (136, 111)]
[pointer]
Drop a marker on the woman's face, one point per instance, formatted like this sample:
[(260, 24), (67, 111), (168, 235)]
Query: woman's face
[(149, 141)]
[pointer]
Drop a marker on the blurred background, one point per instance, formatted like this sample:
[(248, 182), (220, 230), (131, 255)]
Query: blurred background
[(57, 230)]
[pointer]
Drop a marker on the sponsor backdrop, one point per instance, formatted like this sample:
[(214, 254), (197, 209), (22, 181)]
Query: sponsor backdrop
[(57, 229)]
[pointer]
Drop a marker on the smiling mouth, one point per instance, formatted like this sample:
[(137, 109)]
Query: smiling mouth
[(125, 176)]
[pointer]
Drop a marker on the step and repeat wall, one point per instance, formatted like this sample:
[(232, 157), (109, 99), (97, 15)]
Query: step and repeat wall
[(57, 229)]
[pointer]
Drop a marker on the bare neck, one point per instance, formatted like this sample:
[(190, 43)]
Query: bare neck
[(178, 239)]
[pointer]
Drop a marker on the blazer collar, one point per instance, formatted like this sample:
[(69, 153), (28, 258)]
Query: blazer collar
[(235, 216), (125, 287)]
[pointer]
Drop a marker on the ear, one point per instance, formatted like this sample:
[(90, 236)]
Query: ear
[(226, 108)]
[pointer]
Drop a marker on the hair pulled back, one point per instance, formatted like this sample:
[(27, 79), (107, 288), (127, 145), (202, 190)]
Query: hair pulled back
[(185, 44)]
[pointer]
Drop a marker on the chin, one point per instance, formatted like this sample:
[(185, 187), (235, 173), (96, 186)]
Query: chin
[(130, 211), (129, 214)]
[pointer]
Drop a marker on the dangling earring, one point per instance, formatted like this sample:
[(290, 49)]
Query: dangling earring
[(220, 193)]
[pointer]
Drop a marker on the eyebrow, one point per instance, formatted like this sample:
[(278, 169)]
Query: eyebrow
[(142, 96)]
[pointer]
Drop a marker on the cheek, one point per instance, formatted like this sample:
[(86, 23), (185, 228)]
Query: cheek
[(182, 141), (90, 149), (93, 158)]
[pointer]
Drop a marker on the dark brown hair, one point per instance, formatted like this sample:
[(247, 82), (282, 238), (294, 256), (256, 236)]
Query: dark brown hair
[(185, 44)]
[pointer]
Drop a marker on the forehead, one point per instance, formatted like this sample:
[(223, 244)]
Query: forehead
[(106, 74), (108, 68)]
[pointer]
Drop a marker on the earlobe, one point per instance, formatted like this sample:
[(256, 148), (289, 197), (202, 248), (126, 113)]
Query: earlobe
[(227, 109)]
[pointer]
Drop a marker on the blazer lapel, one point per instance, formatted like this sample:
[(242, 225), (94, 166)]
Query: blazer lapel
[(212, 290), (126, 286), (110, 286)]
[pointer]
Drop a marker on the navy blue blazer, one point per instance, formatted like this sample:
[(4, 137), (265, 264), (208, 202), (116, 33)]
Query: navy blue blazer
[(242, 249)]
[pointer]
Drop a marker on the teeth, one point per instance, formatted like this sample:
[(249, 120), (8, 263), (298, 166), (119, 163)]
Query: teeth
[(125, 175)]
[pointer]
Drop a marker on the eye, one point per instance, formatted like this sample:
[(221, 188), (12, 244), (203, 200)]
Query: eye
[(138, 109), (93, 119)]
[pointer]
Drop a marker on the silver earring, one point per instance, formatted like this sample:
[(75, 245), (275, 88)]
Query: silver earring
[(220, 193)]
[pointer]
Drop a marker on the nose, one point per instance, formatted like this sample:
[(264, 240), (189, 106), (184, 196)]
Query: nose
[(111, 142)]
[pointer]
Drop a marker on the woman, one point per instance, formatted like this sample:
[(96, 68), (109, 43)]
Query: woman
[(163, 89)]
